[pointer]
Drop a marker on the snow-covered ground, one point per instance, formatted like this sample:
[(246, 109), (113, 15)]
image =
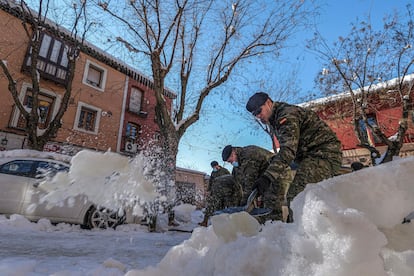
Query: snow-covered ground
[(43, 249), (347, 225)]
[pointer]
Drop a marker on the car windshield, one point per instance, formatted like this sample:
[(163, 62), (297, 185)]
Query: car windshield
[(33, 168)]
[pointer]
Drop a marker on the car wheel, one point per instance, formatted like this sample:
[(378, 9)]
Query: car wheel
[(103, 218)]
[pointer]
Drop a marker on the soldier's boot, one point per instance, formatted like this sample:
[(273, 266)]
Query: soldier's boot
[(204, 222), (152, 222), (171, 219)]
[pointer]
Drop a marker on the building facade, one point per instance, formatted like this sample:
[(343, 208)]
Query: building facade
[(139, 125), (111, 106), (384, 109), (191, 186)]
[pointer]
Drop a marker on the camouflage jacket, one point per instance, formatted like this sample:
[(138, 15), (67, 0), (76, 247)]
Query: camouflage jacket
[(214, 174), (253, 162), (301, 133), (225, 192)]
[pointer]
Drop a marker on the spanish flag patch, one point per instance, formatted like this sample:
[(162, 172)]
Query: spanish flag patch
[(282, 121)]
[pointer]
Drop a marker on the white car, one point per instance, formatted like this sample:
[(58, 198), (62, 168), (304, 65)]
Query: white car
[(20, 179)]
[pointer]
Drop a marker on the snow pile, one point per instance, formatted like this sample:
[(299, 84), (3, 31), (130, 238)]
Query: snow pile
[(347, 225), (111, 179), (230, 227), (107, 179)]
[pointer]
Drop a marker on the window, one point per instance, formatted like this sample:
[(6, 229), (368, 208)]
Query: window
[(135, 101), (94, 76), (49, 169), (52, 62), (368, 136), (132, 131), (49, 102), (157, 136), (18, 167), (87, 118), (44, 112), (28, 167)]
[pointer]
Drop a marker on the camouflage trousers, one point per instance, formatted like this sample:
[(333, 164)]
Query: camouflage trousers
[(225, 192), (276, 197), (314, 170)]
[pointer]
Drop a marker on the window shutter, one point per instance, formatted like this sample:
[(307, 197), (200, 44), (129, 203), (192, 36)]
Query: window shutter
[(135, 100), (94, 76)]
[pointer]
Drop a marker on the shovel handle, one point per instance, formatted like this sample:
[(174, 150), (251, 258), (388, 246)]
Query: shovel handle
[(250, 199)]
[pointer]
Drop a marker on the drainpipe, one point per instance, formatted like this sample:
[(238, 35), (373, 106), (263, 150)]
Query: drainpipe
[(121, 120)]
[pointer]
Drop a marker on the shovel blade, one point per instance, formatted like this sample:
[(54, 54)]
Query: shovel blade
[(230, 210), (258, 212), (255, 212)]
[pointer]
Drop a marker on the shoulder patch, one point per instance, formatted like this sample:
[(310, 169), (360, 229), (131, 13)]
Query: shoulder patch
[(282, 121)]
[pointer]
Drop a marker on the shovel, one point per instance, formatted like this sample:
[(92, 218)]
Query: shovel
[(249, 208)]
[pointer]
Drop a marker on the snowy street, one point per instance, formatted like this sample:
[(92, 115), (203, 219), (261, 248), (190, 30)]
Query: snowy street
[(347, 225), (43, 249)]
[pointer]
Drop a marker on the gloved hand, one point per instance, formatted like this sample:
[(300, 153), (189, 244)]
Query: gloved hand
[(261, 184)]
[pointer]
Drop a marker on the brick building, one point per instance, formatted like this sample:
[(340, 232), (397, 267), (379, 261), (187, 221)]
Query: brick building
[(191, 186), (384, 109), (111, 104), (111, 107)]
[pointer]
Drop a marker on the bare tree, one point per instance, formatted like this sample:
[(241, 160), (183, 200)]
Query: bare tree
[(199, 44), (359, 64), (34, 24)]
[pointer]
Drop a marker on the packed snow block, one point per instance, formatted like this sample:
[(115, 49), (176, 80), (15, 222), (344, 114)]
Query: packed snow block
[(343, 234), (383, 193), (351, 218), (183, 212), (114, 264), (229, 226)]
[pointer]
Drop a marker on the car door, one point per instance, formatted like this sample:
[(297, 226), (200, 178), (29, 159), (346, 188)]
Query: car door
[(14, 182), (68, 210)]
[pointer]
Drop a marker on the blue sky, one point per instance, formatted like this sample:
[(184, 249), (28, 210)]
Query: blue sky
[(220, 125), (224, 120)]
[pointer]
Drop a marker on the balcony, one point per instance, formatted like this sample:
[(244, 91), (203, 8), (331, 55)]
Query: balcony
[(52, 62)]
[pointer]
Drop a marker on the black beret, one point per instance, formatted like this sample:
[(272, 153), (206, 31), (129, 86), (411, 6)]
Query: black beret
[(214, 163), (256, 101), (226, 152)]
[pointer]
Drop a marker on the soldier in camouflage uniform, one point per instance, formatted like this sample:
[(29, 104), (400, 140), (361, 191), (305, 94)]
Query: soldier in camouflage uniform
[(217, 171), (304, 139), (225, 192), (249, 163)]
